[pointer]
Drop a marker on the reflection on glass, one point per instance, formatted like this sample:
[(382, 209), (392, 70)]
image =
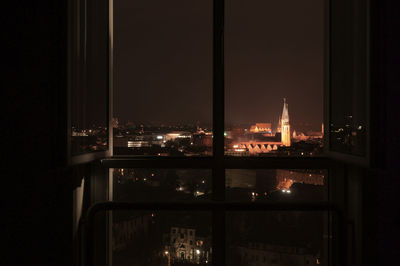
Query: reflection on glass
[(277, 238), (161, 238), (276, 185), (274, 78), (348, 135), (161, 184), (89, 96), (163, 82), (348, 77)]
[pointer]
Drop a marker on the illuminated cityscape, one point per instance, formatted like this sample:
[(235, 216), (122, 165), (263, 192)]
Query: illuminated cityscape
[(259, 139), (200, 132), (273, 108)]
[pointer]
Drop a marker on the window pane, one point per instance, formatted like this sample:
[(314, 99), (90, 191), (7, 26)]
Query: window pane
[(163, 77), (277, 238), (154, 238), (161, 184), (276, 185), (274, 77), (89, 95), (349, 75)]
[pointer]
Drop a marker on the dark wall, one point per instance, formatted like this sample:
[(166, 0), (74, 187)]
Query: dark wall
[(37, 205), (36, 218), (383, 192)]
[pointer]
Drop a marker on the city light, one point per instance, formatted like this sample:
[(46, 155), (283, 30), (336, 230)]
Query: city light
[(259, 139), (197, 251)]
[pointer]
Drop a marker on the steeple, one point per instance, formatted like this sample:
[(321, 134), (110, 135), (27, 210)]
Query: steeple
[(285, 112), (285, 126)]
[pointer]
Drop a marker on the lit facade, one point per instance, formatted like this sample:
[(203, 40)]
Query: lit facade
[(183, 243), (261, 128)]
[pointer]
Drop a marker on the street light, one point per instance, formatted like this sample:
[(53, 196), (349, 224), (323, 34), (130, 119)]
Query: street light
[(169, 257), (198, 256)]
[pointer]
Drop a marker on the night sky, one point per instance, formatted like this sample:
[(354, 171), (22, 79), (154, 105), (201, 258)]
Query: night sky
[(163, 60)]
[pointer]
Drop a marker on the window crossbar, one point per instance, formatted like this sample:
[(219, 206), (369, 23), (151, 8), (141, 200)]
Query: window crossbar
[(225, 163)]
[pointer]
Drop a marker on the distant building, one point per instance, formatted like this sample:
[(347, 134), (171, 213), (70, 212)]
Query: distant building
[(309, 136), (203, 139), (260, 140), (261, 128), (183, 243), (260, 254), (258, 147), (286, 178), (185, 246), (115, 122), (171, 136)]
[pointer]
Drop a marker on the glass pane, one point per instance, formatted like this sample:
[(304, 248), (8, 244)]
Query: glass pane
[(161, 184), (349, 75), (163, 77), (274, 77), (277, 238), (276, 185), (161, 238), (89, 96)]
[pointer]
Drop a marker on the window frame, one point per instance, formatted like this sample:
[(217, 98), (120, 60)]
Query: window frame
[(366, 160), (218, 162), (77, 47)]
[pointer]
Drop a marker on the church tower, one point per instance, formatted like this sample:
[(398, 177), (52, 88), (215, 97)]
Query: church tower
[(285, 126)]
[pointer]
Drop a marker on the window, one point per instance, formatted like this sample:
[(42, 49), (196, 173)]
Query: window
[(274, 77), (163, 82), (228, 177)]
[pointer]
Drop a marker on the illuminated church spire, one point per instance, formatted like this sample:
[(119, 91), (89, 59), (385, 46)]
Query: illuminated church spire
[(285, 112), (285, 126)]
